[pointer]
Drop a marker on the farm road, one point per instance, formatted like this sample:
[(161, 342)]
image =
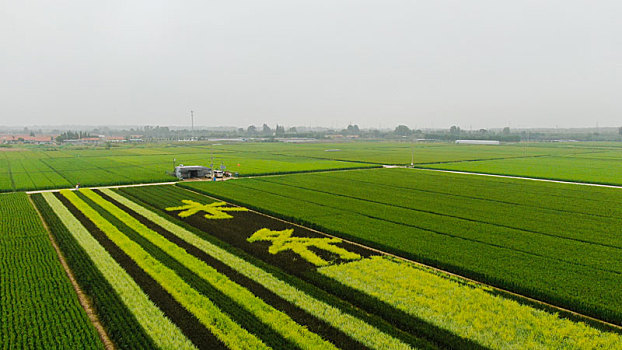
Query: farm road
[(518, 177), (353, 169)]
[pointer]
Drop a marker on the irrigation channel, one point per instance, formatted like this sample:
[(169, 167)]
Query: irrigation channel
[(525, 299)]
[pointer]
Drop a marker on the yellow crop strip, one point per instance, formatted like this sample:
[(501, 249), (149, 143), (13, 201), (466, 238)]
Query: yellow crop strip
[(350, 325), (272, 317), (283, 241), (229, 332), (467, 311), (163, 332)]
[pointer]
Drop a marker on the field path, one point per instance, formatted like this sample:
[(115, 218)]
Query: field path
[(514, 177), (362, 169)]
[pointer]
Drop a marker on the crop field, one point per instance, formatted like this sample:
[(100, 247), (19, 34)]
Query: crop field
[(312, 258), (185, 291), (38, 308), (170, 268), (399, 153), (589, 163), (554, 242), (602, 168), (260, 273), (37, 168)]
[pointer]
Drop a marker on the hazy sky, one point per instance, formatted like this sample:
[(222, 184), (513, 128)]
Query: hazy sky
[(321, 63)]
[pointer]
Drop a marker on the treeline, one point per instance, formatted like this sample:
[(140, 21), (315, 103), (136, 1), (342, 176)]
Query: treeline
[(72, 135), (401, 132)]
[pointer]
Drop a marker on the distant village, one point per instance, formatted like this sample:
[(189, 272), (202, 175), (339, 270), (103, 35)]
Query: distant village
[(54, 139), (108, 135)]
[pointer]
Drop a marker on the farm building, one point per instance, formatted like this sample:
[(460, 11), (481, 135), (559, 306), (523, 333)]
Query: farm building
[(192, 171), (478, 142)]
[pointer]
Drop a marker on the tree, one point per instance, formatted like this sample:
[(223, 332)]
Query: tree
[(280, 130), (353, 129), (402, 130), (70, 135), (266, 129), (506, 130), (292, 130), (454, 130), (620, 130), (252, 129)]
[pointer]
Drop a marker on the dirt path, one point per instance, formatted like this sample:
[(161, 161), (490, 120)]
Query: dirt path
[(84, 300)]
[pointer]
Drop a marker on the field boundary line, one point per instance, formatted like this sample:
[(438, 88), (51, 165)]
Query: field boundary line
[(517, 177), (505, 291), (82, 298)]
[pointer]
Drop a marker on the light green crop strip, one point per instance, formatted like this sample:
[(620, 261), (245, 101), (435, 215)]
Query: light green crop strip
[(272, 317), (163, 332), (350, 325), (225, 329), (467, 311)]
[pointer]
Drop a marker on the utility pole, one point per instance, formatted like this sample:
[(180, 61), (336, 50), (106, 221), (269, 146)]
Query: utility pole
[(192, 125)]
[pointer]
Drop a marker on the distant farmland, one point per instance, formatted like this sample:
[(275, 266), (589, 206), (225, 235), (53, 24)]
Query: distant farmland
[(36, 168)]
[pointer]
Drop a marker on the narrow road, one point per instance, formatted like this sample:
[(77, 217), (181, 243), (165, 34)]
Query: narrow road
[(518, 177)]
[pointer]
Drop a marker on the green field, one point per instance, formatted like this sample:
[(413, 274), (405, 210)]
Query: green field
[(37, 167), (605, 168), (193, 266), (204, 275), (559, 243), (38, 306)]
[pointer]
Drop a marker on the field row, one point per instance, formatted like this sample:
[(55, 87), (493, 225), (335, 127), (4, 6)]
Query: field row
[(558, 243), (38, 306)]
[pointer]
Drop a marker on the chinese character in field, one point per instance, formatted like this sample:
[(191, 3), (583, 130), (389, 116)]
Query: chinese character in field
[(214, 210), (283, 240)]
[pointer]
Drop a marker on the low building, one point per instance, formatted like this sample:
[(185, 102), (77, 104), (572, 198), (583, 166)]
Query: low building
[(478, 142), (192, 171), (37, 140)]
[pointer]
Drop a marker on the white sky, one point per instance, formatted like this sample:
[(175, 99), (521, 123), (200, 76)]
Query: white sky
[(314, 63)]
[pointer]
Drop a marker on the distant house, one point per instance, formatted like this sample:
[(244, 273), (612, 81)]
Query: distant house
[(115, 139), (37, 140), (478, 142), (192, 171), (84, 141)]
